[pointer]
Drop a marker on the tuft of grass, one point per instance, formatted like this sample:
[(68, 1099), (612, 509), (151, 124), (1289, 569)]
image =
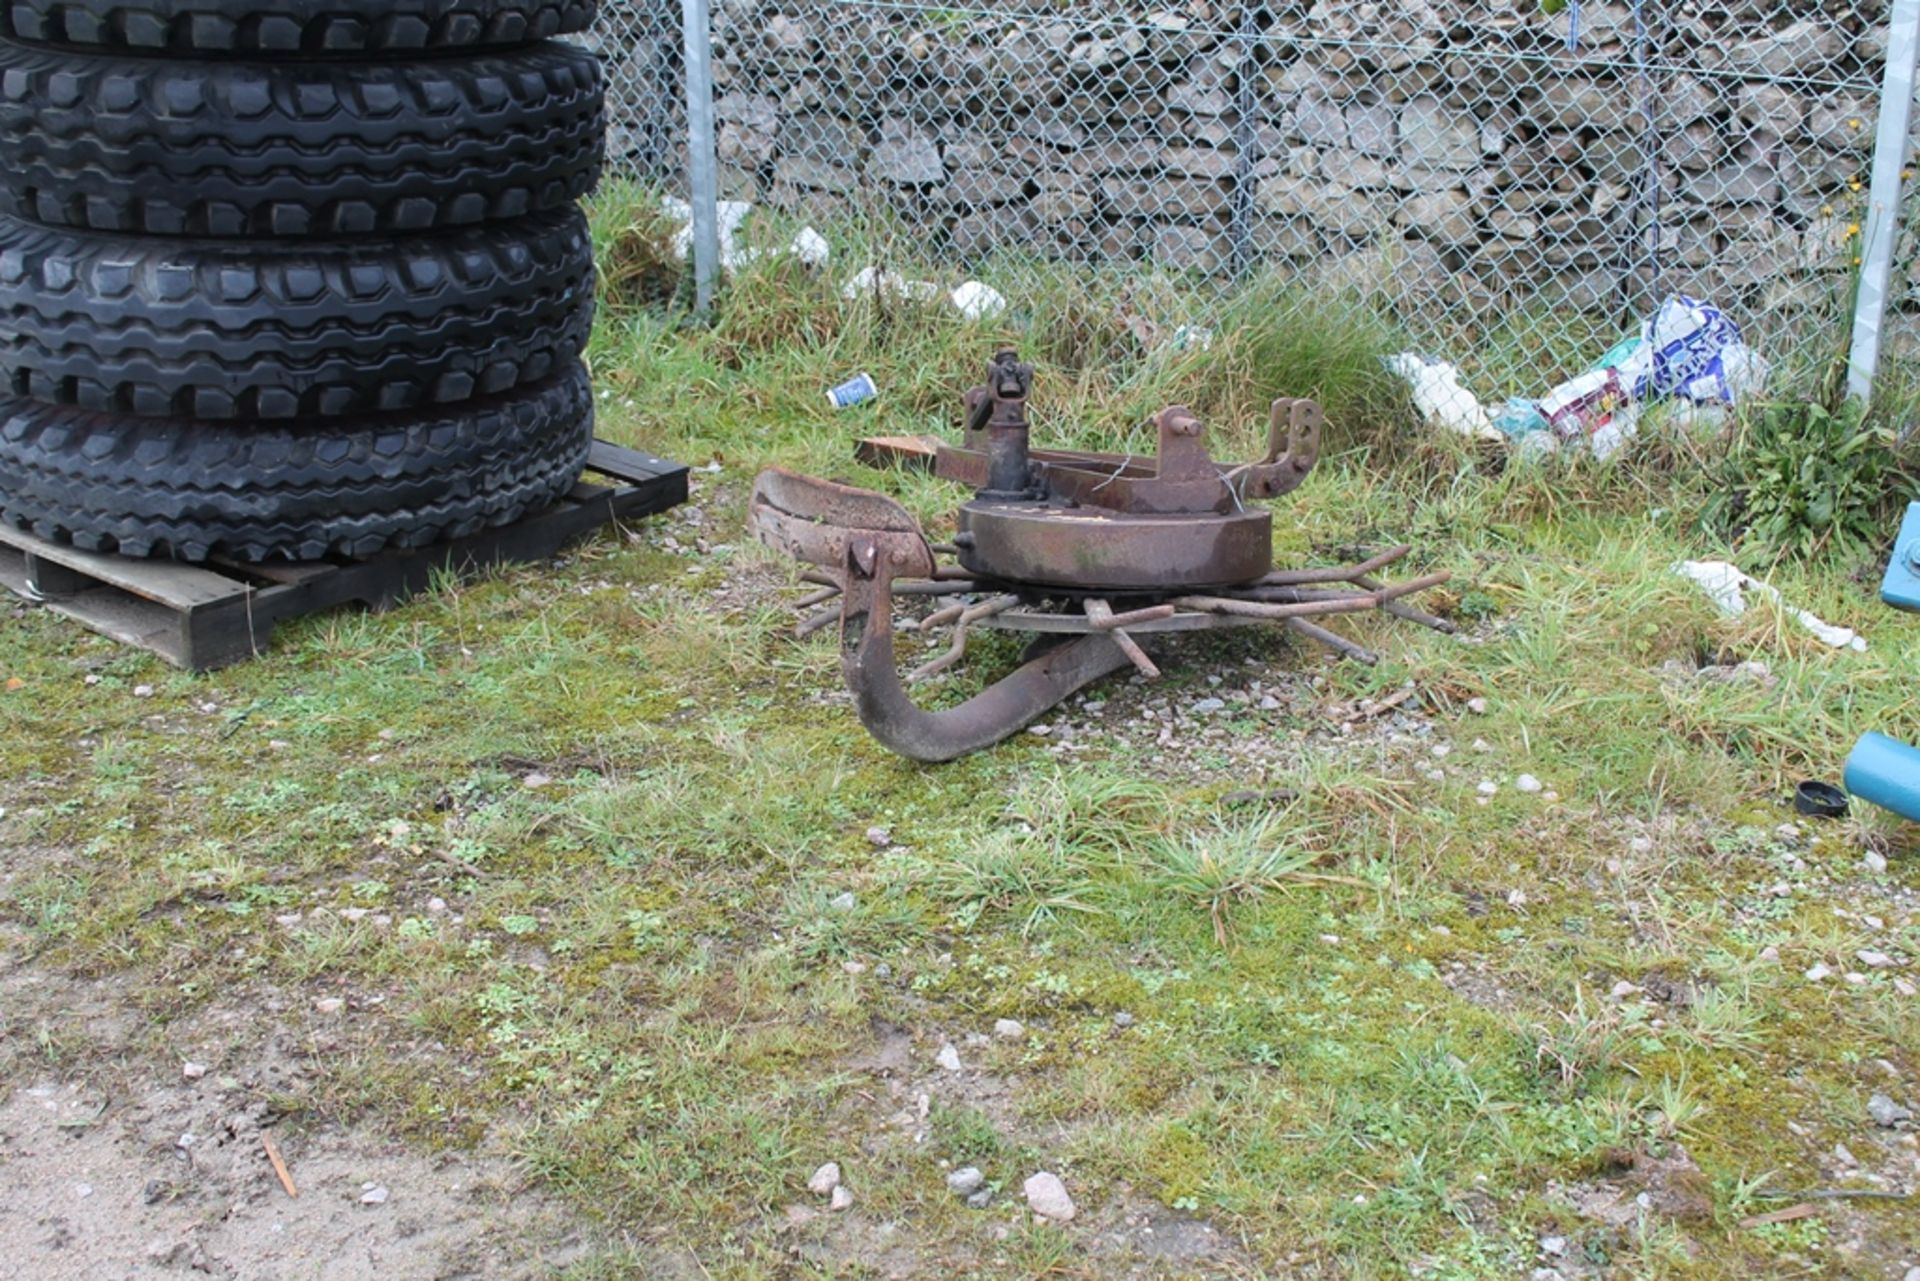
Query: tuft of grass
[(1226, 863)]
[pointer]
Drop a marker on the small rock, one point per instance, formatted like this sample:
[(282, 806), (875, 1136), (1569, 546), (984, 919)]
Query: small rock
[(948, 1058), (1207, 706), (83, 1189), (825, 1179), (1555, 1246), (879, 837), (90, 679), (1640, 845), (1529, 784), (143, 691), (1769, 953), (1913, 1274), (193, 1071), (840, 1200), (1009, 1029), (1623, 989), (1873, 959), (966, 1181), (1818, 972), (1047, 1197), (1886, 1113), (436, 905), (1487, 787), (843, 901), (373, 1194), (165, 1252), (536, 780), (1268, 703), (981, 1199), (1123, 1019), (1844, 1156), (329, 1005), (1875, 861)]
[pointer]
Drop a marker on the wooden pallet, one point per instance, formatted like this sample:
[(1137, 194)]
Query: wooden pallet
[(205, 616)]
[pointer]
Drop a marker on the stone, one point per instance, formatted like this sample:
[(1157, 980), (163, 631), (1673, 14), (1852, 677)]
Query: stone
[(1574, 103), (1874, 960), (1875, 862), (1009, 1029), (1886, 1113), (1352, 168), (906, 156), (1319, 122), (1370, 129), (810, 174), (1047, 1197), (1805, 47), (1163, 197), (1528, 783), (373, 1194), (329, 1005), (1771, 107), (193, 1071), (1819, 970), (844, 901), (1437, 136), (825, 1179), (841, 1199), (1060, 205), (948, 1058), (982, 187), (1199, 162), (966, 1181), (1843, 124), (1443, 216)]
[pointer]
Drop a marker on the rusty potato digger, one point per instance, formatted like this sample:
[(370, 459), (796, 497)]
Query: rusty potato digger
[(1095, 555)]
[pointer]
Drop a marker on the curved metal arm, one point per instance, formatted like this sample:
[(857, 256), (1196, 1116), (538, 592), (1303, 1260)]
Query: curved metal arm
[(865, 540), (1003, 709)]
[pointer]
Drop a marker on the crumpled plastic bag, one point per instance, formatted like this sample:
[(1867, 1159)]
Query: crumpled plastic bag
[(1440, 396), (1727, 587)]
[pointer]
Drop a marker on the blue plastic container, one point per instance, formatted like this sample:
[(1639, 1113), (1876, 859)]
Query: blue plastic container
[(1901, 587), (1886, 772)]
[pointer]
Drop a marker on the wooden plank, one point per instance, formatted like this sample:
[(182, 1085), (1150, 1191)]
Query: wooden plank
[(897, 451), (622, 463), (200, 618), (166, 582)]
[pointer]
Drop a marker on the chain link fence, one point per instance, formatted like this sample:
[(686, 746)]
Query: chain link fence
[(1504, 178)]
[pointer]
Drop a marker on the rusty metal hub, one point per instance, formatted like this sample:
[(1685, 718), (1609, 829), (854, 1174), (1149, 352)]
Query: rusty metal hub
[(1050, 542)]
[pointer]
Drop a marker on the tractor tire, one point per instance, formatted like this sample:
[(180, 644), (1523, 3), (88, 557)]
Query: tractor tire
[(292, 28), (258, 149), (296, 491), (290, 329)]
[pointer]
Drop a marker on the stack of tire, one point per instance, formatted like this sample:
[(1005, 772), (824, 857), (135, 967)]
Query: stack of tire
[(292, 278)]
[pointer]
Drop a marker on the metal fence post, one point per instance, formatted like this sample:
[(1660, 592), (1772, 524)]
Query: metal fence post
[(703, 186), (1882, 223)]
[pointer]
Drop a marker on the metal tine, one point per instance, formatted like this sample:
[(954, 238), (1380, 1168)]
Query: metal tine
[(972, 614), (1334, 573), (1101, 615), (1333, 640)]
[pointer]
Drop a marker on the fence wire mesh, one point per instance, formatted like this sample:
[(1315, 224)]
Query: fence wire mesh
[(1505, 179)]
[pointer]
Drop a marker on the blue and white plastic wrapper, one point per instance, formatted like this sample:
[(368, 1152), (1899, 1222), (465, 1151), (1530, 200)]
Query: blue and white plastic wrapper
[(852, 392), (1691, 350)]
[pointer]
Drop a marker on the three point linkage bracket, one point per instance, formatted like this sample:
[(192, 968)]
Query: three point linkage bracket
[(1090, 552)]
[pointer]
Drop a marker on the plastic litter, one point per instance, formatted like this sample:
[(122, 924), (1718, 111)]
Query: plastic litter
[(852, 392), (1440, 397), (1727, 587), (1689, 353), (878, 282), (807, 245), (976, 301), (1594, 410)]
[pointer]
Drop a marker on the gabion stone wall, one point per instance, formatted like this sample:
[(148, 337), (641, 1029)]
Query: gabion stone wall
[(1476, 153)]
